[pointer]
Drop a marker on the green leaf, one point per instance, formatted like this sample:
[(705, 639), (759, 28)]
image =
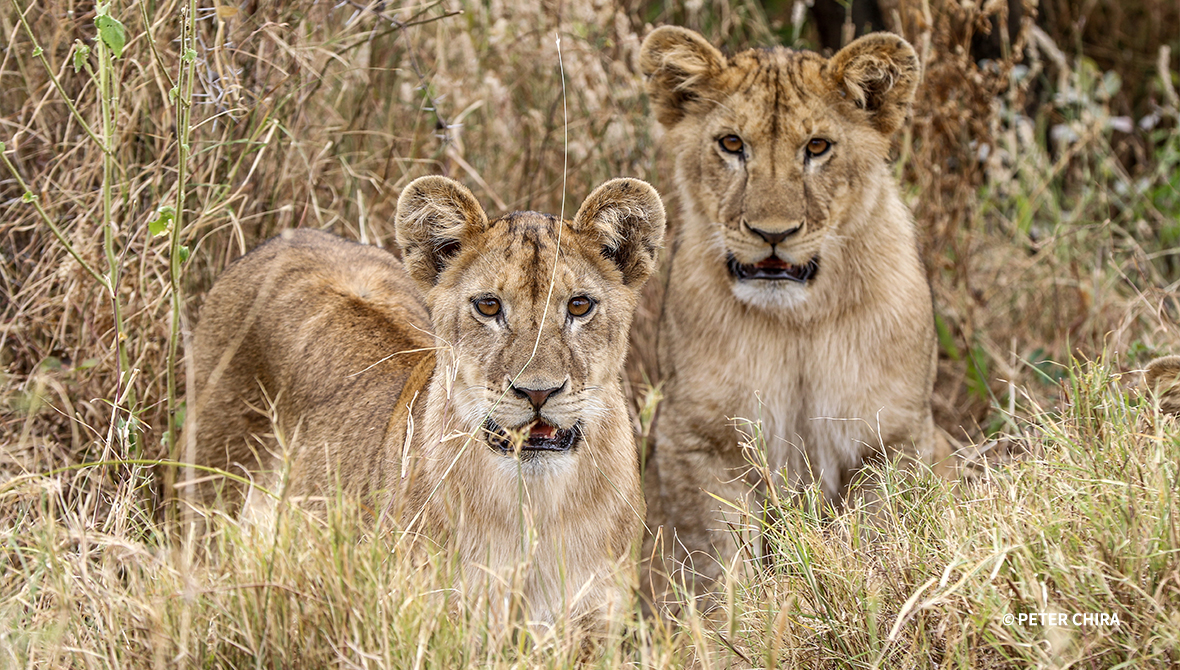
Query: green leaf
[(184, 252), (37, 51), (977, 373), (81, 53), (163, 221), (946, 339), (29, 197), (173, 93), (1111, 83), (112, 33), (124, 427), (189, 55)]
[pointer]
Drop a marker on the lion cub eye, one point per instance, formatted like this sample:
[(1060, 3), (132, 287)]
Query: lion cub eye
[(732, 144), (488, 306), (818, 146), (580, 305)]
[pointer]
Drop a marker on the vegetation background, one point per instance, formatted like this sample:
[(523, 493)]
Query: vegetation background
[(149, 143)]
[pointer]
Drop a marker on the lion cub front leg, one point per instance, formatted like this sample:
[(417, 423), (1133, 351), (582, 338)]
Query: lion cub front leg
[(695, 537)]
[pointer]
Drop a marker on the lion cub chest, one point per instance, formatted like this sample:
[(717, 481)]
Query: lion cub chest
[(813, 406)]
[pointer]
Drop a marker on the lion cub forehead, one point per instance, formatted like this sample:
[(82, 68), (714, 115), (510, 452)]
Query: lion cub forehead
[(775, 69), (534, 227), (526, 237), (518, 248)]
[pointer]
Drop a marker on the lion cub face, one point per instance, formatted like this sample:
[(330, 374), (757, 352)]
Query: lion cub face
[(532, 312), (775, 144)]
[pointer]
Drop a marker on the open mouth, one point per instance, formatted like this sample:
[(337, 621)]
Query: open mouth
[(774, 269), (540, 436)]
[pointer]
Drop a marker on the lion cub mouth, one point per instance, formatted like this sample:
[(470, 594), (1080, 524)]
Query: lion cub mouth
[(540, 436), (774, 269)]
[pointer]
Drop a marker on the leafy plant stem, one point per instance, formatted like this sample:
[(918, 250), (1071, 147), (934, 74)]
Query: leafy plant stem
[(109, 99), (183, 128)]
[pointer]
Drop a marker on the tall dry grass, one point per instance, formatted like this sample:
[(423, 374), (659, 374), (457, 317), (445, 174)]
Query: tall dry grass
[(1049, 231)]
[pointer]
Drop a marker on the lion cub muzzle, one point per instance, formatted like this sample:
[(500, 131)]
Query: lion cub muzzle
[(539, 434), (769, 250)]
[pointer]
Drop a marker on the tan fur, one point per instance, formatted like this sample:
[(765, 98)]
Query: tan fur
[(345, 343), (836, 371), (1163, 379)]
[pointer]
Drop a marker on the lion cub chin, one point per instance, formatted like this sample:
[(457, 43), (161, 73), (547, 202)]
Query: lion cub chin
[(471, 391), (796, 298)]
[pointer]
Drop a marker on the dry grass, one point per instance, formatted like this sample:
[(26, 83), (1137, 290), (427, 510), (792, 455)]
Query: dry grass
[(1083, 525), (1050, 233)]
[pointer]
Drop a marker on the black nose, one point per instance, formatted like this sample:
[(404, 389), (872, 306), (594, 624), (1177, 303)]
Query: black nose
[(774, 238), (536, 396)]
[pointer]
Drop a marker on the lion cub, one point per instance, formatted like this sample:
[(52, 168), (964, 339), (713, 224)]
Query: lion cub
[(796, 298), (470, 387)]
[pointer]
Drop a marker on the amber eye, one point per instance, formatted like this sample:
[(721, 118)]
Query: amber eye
[(732, 143), (818, 146), (488, 306), (580, 305)]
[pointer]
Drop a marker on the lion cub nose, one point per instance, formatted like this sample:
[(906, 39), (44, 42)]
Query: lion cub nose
[(536, 396), (775, 237)]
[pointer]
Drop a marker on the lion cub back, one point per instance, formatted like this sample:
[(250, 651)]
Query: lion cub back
[(306, 332)]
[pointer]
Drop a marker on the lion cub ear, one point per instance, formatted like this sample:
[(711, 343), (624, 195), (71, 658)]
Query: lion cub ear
[(879, 73), (1163, 379), (679, 65), (626, 217), (435, 216)]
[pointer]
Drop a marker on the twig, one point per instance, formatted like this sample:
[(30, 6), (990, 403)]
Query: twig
[(1162, 63), (36, 202), (40, 53), (401, 26), (147, 29)]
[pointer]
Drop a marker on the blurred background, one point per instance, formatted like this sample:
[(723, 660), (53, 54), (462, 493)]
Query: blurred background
[(1040, 164)]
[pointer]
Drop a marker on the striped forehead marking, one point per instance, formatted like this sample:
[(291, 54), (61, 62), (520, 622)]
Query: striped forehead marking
[(777, 71), (531, 237)]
